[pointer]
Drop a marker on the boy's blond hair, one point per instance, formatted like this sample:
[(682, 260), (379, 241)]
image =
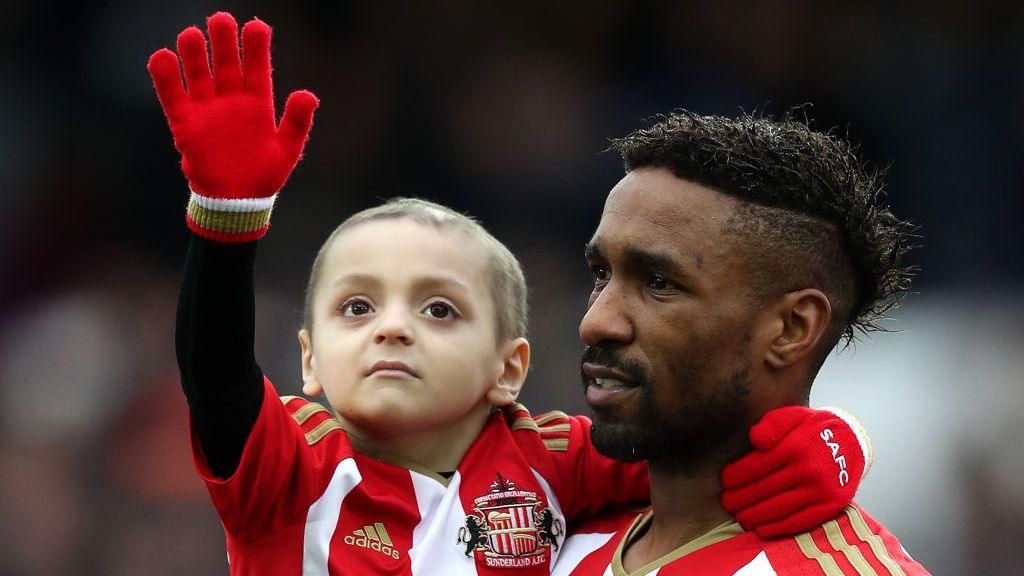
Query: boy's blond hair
[(508, 284)]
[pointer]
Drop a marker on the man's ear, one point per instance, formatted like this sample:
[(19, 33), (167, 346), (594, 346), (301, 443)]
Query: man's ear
[(310, 384), (800, 320), (515, 364)]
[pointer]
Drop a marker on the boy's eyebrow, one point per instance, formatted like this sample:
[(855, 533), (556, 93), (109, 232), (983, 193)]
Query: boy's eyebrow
[(355, 278), (420, 283), (441, 281)]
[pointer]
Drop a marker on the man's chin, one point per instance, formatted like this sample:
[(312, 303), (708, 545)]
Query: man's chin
[(617, 441)]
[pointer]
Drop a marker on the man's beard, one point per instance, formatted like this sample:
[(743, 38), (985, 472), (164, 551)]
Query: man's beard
[(709, 426)]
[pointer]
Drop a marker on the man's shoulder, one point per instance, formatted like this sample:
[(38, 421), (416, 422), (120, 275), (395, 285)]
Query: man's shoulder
[(852, 543)]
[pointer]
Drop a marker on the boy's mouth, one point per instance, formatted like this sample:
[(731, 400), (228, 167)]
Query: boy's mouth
[(392, 369)]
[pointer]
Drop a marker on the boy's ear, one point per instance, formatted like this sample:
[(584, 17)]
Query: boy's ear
[(310, 384), (515, 364)]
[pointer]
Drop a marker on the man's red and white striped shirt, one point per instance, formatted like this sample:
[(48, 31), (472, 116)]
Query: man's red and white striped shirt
[(852, 544), (306, 500)]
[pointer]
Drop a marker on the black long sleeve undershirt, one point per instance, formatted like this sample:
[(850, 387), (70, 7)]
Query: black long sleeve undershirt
[(214, 340)]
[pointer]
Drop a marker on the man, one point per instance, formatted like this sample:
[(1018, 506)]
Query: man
[(731, 258)]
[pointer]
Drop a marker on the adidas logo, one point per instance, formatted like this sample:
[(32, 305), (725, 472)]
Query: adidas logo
[(373, 537)]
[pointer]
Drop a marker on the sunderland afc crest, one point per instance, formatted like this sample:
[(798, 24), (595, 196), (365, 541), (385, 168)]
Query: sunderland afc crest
[(511, 528)]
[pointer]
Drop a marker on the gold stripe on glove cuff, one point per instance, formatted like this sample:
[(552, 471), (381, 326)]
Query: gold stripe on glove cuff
[(229, 222)]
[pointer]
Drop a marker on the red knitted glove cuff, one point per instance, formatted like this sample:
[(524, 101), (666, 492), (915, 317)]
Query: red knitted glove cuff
[(229, 219)]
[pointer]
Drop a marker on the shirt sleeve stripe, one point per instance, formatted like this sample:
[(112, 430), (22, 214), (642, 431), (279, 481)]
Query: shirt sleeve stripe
[(550, 416), (306, 412), (323, 429), (525, 424), (555, 428), (825, 561), (860, 527), (852, 553), (557, 444)]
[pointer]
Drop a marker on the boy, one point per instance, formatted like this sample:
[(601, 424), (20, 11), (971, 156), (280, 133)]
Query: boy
[(413, 331)]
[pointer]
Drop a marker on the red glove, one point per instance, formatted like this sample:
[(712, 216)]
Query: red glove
[(805, 468), (234, 155)]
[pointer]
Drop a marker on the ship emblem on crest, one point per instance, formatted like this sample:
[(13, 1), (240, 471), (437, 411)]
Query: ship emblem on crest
[(511, 528)]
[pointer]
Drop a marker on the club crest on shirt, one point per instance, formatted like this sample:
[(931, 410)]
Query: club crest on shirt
[(510, 528)]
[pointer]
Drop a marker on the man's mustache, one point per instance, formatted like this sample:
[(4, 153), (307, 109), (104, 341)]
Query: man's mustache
[(603, 356)]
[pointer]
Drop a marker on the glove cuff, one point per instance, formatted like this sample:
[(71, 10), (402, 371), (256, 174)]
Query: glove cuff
[(859, 431), (229, 220)]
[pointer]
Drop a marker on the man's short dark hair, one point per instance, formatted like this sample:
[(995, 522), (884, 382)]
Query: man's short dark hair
[(811, 213)]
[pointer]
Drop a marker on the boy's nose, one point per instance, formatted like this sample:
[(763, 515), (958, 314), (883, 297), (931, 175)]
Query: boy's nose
[(393, 327)]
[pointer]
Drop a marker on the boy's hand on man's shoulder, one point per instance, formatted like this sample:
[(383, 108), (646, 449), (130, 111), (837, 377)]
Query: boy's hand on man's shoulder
[(233, 152), (805, 468)]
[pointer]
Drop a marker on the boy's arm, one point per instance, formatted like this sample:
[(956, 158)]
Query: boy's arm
[(214, 336), (236, 158)]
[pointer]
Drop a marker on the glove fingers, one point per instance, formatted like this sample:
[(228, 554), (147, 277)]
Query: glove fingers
[(297, 120), (192, 48), (256, 57), (750, 468), (776, 424), (166, 73), (803, 521), (777, 507), (227, 68), (736, 500)]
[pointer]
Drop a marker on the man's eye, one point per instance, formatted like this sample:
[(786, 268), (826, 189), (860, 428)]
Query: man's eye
[(356, 308), (658, 283), (600, 273), (440, 310)]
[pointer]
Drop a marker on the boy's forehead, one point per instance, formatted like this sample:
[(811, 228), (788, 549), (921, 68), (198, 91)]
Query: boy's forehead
[(403, 248)]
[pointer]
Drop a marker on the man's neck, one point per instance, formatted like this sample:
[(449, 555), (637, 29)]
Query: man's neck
[(684, 506)]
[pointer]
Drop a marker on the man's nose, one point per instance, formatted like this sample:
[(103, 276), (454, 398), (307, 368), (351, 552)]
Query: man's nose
[(606, 319), (394, 326)]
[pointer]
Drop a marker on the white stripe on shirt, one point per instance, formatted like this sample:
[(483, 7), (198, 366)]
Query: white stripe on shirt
[(434, 545), (759, 566), (322, 518)]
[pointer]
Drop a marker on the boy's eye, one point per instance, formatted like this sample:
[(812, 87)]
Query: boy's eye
[(356, 308), (440, 310)]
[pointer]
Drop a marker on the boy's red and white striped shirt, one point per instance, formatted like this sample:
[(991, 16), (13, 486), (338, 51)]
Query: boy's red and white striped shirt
[(306, 500)]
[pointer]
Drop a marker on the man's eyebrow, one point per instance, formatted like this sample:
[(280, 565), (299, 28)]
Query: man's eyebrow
[(652, 260), (592, 251)]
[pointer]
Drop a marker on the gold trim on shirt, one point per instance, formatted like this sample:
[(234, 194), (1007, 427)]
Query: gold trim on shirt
[(642, 523), (836, 539), (860, 527), (825, 560)]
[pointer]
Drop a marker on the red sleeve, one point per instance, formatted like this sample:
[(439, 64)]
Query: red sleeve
[(586, 482), (286, 464)]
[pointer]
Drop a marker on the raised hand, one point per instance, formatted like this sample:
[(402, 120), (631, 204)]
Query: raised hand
[(233, 152), (805, 468)]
